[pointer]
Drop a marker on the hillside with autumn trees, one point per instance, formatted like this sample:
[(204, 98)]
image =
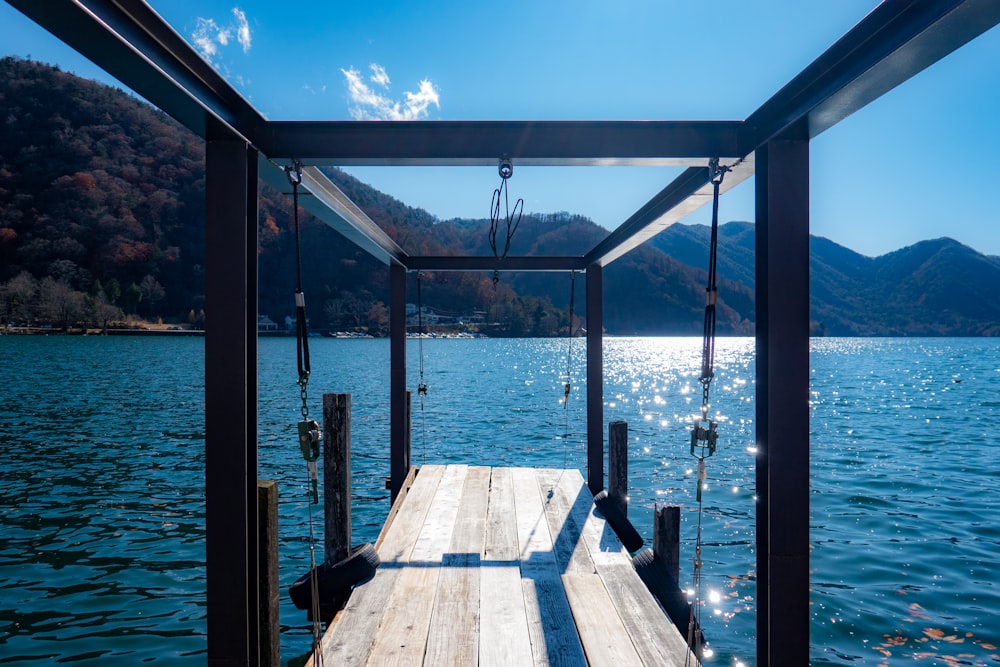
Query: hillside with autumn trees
[(102, 219), (102, 222)]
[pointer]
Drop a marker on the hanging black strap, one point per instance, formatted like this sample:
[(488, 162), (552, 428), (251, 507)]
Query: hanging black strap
[(711, 291), (294, 174), (704, 434)]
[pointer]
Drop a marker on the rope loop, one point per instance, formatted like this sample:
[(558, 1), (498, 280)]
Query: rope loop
[(511, 217)]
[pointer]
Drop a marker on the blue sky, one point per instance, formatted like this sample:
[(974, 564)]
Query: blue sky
[(919, 163)]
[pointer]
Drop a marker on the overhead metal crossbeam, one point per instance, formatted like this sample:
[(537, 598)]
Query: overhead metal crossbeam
[(685, 194), (468, 263), (328, 203), (896, 41), (483, 143), (135, 45)]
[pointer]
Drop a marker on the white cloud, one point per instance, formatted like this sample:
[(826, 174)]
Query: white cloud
[(366, 104), (209, 36), (242, 29), (204, 36), (379, 75)]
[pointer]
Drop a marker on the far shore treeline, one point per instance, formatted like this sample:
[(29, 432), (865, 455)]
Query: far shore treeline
[(102, 221)]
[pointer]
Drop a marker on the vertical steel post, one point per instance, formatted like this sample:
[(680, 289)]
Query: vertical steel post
[(595, 379), (398, 456), (231, 402), (782, 256)]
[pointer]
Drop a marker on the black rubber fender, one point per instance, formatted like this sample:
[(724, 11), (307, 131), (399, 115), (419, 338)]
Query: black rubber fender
[(623, 528), (335, 580), (667, 592)]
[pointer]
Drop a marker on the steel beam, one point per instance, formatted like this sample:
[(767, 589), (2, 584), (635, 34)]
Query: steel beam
[(684, 195), (466, 263), (896, 41), (483, 143), (136, 46), (595, 378), (399, 457), (782, 385), (332, 206), (231, 402)]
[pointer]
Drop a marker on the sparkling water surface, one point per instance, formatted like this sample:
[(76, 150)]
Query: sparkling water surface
[(102, 480)]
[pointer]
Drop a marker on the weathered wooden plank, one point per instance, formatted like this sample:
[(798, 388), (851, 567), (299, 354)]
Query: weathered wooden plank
[(394, 510), (595, 535), (349, 641), (409, 521), (402, 636), (605, 639), (501, 527), (655, 638), (453, 635), (435, 536), (503, 633), (550, 623), (567, 502), (503, 628)]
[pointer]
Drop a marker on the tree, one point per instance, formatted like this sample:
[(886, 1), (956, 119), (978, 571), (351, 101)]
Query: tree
[(59, 303), (131, 298), (152, 292), (19, 294), (378, 317)]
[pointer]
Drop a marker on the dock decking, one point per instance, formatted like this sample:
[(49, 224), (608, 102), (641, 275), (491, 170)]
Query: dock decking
[(501, 566)]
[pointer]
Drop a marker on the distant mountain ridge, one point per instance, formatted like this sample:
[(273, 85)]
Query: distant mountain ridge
[(931, 288), (102, 214)]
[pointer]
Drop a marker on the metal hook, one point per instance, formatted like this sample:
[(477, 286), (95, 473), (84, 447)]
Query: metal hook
[(506, 168)]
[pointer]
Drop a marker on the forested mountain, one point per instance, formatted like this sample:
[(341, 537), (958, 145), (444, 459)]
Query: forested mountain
[(932, 288), (102, 217)]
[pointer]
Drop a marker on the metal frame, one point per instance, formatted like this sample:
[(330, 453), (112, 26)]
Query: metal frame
[(893, 43)]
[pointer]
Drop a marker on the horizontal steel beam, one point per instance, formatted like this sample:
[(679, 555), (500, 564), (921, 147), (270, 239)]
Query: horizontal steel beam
[(136, 46), (483, 143), (465, 263), (328, 203), (896, 41), (685, 194)]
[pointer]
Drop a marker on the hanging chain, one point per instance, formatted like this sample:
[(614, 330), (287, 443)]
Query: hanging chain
[(704, 435), (568, 385), (309, 431), (421, 385)]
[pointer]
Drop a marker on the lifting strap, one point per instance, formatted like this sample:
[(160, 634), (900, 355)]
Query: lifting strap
[(704, 435), (309, 432)]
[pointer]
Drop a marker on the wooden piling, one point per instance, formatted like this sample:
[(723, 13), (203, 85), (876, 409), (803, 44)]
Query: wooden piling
[(667, 539), (269, 594), (618, 464), (337, 476)]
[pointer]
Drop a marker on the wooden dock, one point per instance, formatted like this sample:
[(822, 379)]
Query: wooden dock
[(501, 566)]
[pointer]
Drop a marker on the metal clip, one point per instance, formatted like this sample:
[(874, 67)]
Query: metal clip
[(704, 439)]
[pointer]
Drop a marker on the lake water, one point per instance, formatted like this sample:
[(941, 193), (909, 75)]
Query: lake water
[(102, 481)]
